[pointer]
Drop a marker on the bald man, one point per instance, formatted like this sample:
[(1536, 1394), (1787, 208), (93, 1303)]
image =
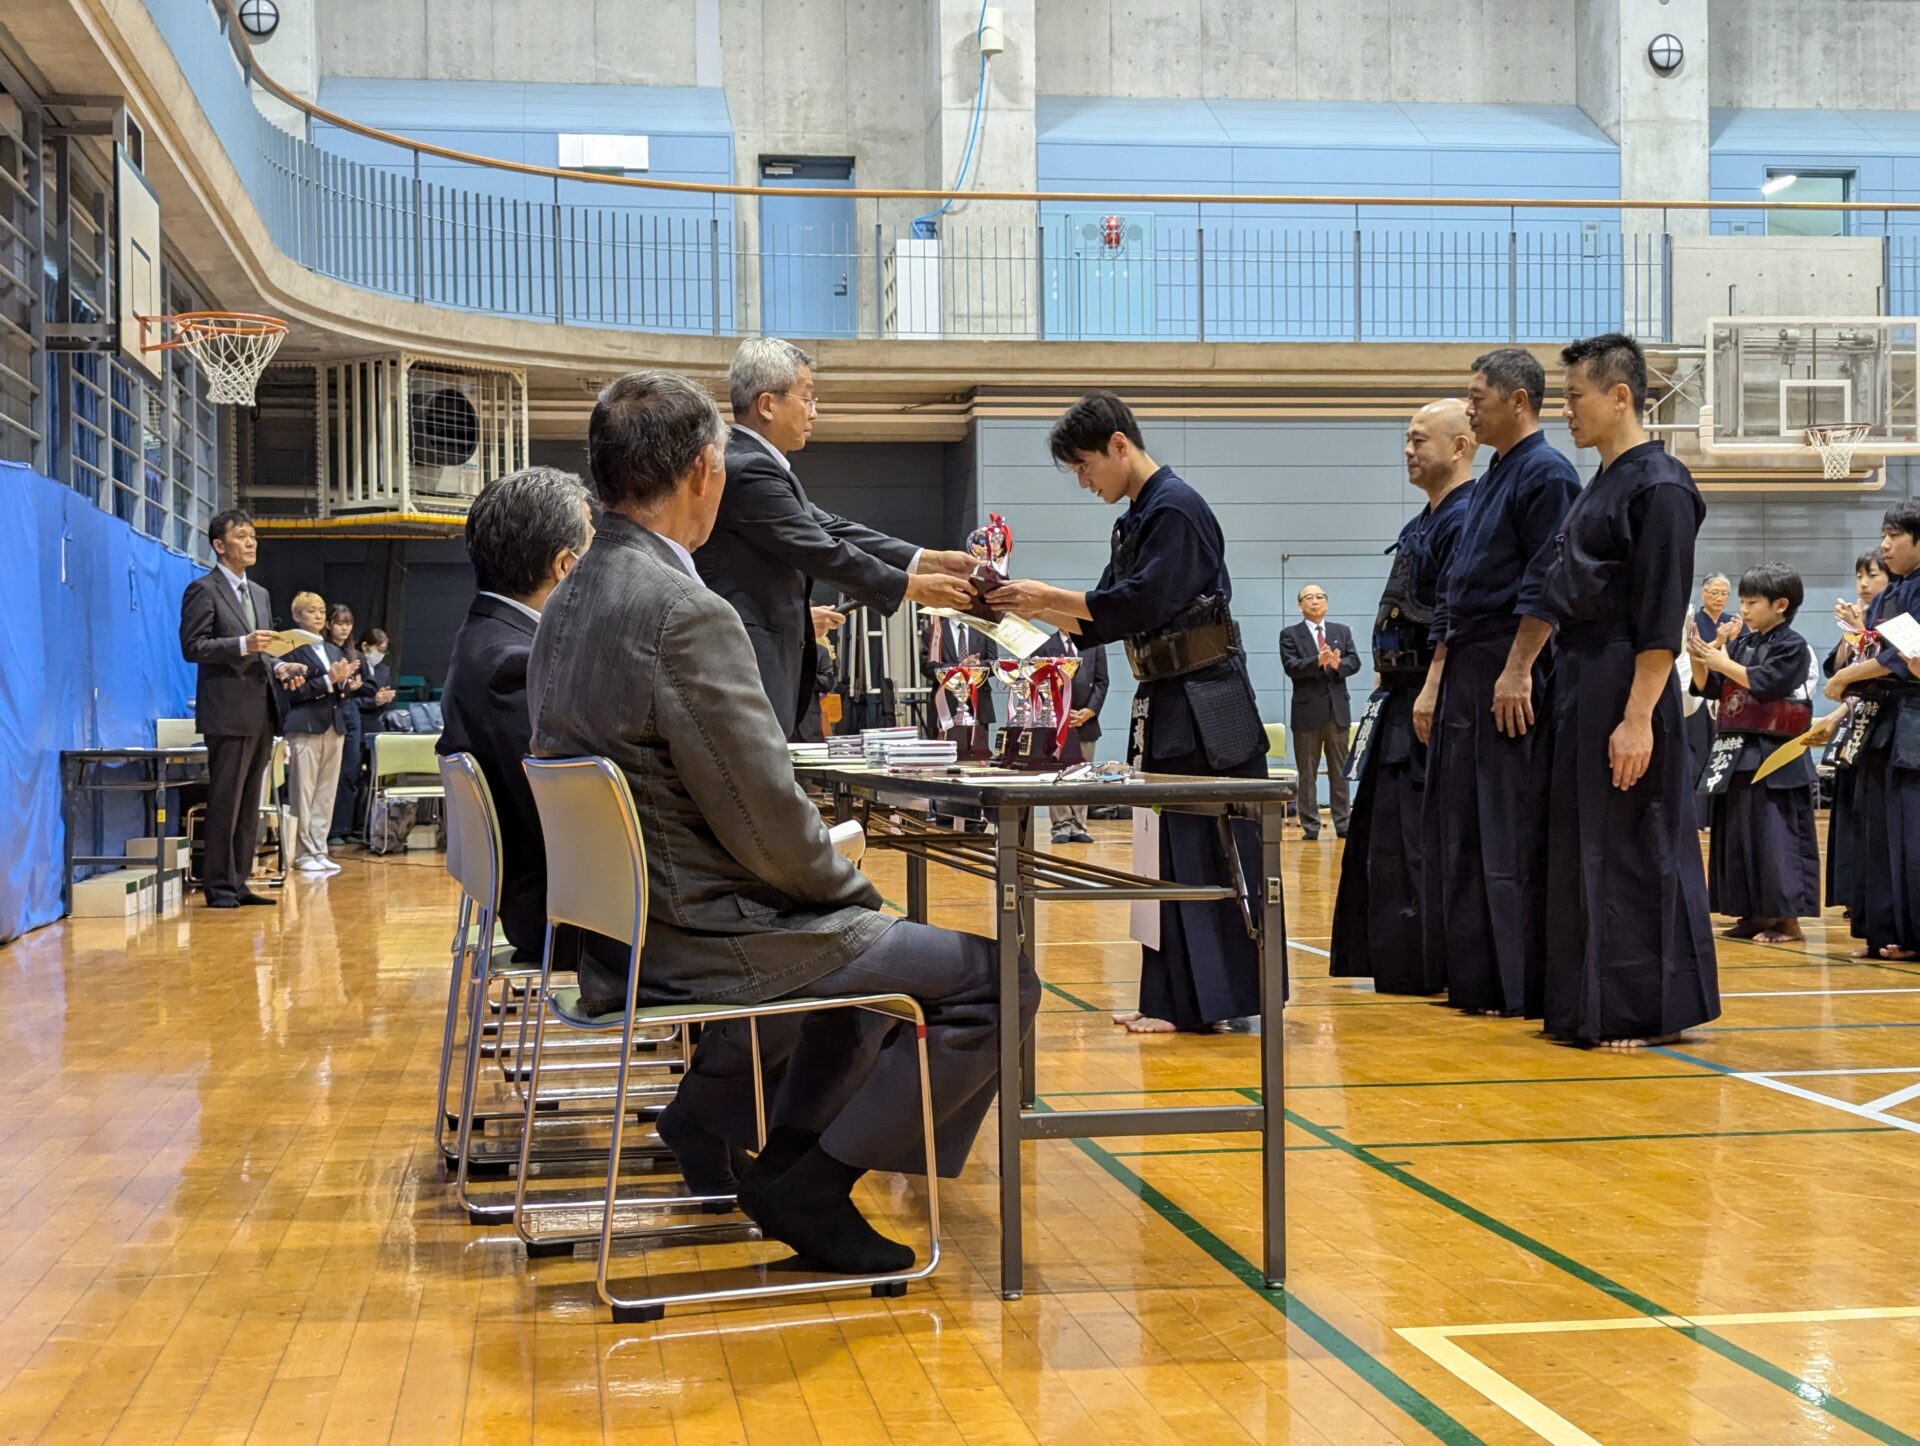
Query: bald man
[(1377, 931)]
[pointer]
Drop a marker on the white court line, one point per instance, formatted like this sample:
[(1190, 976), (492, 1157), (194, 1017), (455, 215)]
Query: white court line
[(1797, 993), (1864, 1112), (1878, 1069), (1437, 1342), (1296, 944), (1898, 1097)]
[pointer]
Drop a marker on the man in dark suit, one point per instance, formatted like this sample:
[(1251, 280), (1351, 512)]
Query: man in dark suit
[(524, 534), (1089, 696), (1320, 656), (224, 631), (770, 542), (946, 643)]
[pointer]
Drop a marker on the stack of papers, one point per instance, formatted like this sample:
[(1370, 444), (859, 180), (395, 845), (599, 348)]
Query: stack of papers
[(919, 753), (845, 748), (807, 752), (874, 741)]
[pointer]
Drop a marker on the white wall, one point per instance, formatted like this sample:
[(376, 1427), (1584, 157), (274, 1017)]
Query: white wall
[(604, 42), (1467, 51)]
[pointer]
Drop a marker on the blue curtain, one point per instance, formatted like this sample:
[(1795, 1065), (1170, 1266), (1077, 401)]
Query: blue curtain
[(89, 657)]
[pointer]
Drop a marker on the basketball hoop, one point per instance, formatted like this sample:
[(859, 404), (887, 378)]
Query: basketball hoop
[(1835, 446), (232, 348)]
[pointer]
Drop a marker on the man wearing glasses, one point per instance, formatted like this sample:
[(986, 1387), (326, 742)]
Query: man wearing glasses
[(769, 543)]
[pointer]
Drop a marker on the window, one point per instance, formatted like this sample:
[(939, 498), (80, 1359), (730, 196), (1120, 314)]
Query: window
[(608, 155), (1785, 183)]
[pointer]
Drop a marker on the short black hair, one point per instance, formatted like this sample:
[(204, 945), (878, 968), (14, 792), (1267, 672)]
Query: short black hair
[(1088, 426), (1871, 558), (518, 525), (647, 431), (221, 522), (377, 636), (1611, 359), (1774, 581), (1903, 516), (1511, 369)]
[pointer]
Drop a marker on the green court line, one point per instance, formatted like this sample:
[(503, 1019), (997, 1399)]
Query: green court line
[(1328, 1336), (1539, 1140), (1803, 1390), (1070, 998), (1778, 1028), (1414, 1084)]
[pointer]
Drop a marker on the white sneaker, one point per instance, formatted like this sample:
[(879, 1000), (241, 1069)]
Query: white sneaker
[(329, 865), (313, 866)]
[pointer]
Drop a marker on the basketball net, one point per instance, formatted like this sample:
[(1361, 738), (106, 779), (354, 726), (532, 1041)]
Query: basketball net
[(232, 348), (1835, 446)]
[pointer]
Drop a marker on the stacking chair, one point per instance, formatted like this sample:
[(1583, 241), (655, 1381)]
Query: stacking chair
[(597, 879), (397, 755)]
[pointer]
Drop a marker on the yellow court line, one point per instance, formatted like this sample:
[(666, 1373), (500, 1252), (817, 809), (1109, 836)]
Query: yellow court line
[(1438, 1344)]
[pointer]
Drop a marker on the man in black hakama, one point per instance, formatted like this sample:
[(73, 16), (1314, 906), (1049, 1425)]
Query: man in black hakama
[(1708, 620), (1166, 593), (1377, 929), (1764, 867), (1869, 581), (1484, 810), (1885, 903), (1629, 948)]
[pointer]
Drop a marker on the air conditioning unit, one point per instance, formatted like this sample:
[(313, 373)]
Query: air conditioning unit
[(411, 433), (912, 290)]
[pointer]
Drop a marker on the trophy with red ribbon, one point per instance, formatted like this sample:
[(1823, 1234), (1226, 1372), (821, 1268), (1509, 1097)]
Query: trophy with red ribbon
[(959, 722), (992, 547), (1038, 732)]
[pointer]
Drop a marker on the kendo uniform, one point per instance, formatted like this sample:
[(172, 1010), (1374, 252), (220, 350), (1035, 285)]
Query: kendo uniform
[(1765, 861), (1484, 813), (1166, 594), (1699, 723), (1840, 812), (1885, 902), (1377, 930), (1629, 947)]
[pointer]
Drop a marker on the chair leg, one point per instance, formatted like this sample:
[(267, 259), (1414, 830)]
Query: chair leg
[(520, 1223), (453, 1011), (482, 957)]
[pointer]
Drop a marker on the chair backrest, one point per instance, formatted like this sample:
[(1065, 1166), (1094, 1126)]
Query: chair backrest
[(1276, 739), (175, 733), (395, 753), (596, 859), (473, 829)]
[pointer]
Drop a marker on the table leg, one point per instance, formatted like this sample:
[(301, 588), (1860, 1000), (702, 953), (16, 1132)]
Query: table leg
[(70, 775), (916, 888), (842, 803), (1273, 1056), (1007, 916), (1029, 1056)]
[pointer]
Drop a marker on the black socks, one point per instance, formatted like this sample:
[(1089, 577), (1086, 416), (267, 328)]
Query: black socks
[(710, 1165), (801, 1196)]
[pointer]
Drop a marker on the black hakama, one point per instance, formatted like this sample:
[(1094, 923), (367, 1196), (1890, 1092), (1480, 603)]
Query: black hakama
[(1629, 946), (1629, 951), (1885, 902), (1168, 551), (1482, 831), (1377, 930), (1765, 862), (1840, 839)]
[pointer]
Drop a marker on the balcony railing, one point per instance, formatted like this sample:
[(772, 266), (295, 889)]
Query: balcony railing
[(534, 242)]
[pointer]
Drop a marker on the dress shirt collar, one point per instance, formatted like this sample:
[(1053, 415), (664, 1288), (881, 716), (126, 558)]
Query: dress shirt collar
[(513, 602), (235, 580), (773, 451)]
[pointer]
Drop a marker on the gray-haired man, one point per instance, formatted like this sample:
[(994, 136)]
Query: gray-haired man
[(639, 663), (770, 542)]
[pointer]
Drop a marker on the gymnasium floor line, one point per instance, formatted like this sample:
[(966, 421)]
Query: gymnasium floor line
[(1535, 1140), (1395, 1084), (1802, 1389), (1766, 1080), (1343, 1348)]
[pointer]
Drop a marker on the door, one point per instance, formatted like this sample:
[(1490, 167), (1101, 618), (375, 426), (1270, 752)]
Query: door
[(807, 252)]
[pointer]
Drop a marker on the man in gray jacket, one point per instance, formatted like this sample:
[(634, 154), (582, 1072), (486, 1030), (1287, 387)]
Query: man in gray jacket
[(638, 662)]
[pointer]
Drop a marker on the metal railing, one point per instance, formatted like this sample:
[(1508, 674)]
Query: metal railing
[(436, 225)]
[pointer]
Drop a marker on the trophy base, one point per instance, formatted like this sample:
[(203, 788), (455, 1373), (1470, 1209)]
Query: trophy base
[(1036, 749), (969, 742)]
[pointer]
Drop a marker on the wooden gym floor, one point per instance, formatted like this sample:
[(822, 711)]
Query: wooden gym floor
[(221, 1217)]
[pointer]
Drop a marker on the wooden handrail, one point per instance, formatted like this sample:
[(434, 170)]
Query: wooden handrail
[(250, 66)]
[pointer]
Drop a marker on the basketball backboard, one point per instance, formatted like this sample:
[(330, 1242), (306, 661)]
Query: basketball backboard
[(1768, 379), (137, 287)]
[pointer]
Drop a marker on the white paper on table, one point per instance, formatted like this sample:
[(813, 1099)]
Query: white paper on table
[(1902, 631), (1143, 925)]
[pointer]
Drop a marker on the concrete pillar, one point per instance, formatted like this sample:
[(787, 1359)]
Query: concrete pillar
[(989, 260), (291, 55), (1661, 125)]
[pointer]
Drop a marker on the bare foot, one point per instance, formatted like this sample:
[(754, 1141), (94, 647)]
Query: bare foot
[(1860, 953), (1125, 1016), (1635, 1043), (1894, 951), (1141, 1024), (1785, 932), (1745, 929)]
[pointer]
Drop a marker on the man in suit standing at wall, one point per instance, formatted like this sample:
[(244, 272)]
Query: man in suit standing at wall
[(1320, 656), (770, 543), (224, 632)]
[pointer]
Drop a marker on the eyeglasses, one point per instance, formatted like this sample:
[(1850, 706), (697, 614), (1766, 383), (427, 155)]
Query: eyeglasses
[(812, 406)]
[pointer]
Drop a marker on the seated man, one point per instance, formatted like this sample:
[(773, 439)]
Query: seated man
[(525, 533), (638, 662)]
